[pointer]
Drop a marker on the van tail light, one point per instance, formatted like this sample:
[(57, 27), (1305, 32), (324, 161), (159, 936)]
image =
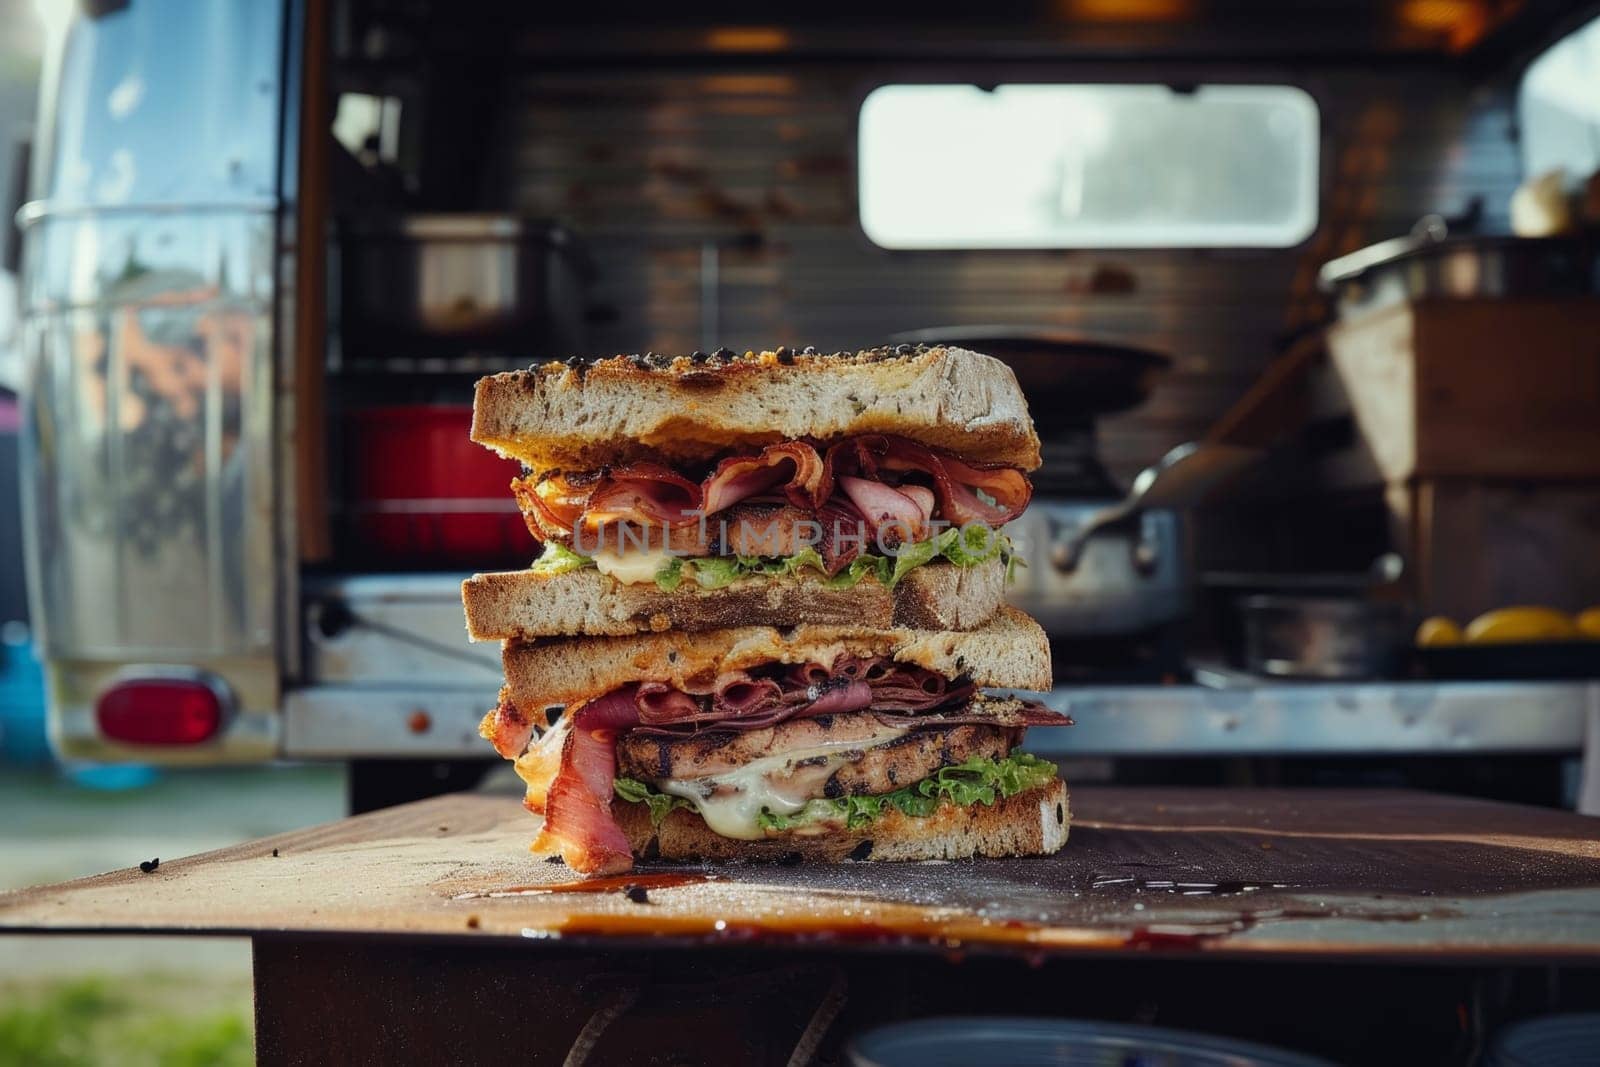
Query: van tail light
[(162, 710)]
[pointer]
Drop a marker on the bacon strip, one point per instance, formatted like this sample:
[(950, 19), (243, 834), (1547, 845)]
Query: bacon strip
[(508, 728), (577, 808), (792, 465), (645, 492), (877, 475)]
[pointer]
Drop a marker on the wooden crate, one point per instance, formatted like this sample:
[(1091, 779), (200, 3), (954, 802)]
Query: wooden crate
[(1472, 545), (1476, 388)]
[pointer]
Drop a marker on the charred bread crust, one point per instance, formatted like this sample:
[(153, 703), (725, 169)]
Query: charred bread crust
[(522, 605), (1034, 823), (1010, 651), (581, 415)]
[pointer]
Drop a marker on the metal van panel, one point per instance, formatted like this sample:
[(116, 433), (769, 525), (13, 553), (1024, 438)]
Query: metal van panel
[(166, 101), (148, 434), (148, 255), (148, 298)]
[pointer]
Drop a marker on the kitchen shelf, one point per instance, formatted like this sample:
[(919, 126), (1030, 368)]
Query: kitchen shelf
[(1400, 718)]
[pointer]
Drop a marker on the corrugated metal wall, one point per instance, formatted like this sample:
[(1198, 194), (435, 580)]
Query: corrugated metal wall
[(648, 166)]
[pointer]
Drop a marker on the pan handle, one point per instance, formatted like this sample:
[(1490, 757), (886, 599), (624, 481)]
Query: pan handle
[(1180, 479)]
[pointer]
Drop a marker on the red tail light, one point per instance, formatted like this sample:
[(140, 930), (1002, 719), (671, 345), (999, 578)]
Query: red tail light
[(160, 711)]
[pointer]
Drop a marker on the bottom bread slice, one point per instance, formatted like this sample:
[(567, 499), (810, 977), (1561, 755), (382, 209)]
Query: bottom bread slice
[(1033, 823)]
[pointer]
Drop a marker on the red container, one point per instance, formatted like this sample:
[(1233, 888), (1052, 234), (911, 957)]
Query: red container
[(421, 492)]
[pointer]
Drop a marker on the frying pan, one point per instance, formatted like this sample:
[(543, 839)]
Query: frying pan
[(1066, 378)]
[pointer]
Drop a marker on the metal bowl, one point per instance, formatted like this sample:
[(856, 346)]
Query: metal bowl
[(1324, 637), (458, 284), (1460, 268)]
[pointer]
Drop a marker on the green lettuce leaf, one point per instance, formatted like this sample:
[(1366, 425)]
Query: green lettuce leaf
[(912, 556), (559, 559), (714, 572), (965, 546), (859, 568), (668, 578), (977, 781), (639, 793)]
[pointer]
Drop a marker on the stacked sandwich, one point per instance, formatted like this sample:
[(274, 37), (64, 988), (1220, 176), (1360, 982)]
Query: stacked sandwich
[(769, 595)]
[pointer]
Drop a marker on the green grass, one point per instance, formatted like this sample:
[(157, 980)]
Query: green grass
[(91, 1021)]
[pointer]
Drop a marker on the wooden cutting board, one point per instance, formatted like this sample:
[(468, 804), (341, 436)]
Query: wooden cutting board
[(1245, 872)]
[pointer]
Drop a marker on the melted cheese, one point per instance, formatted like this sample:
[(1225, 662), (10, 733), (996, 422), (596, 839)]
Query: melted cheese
[(633, 567), (731, 802)]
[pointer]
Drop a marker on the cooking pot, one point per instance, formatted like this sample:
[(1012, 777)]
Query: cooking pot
[(1066, 378), (1097, 563), (458, 284), (1324, 637), (1098, 568)]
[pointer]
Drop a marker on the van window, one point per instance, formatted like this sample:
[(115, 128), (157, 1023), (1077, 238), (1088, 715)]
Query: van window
[(1559, 106), (1087, 166)]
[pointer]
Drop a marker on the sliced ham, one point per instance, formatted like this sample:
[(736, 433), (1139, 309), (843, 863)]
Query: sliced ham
[(659, 702), (834, 698), (742, 695), (924, 499), (878, 478), (893, 517)]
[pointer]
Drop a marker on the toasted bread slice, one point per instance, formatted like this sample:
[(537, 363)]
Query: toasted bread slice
[(1010, 651), (522, 604), (1034, 823), (581, 417)]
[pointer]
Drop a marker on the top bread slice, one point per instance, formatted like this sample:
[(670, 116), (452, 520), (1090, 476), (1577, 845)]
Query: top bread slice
[(523, 604), (580, 416), (1010, 652)]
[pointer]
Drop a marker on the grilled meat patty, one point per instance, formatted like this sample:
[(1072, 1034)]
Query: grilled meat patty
[(914, 756), (875, 758)]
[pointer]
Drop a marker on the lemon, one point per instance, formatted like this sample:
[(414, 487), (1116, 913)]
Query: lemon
[(1523, 623), (1589, 623), (1438, 632)]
